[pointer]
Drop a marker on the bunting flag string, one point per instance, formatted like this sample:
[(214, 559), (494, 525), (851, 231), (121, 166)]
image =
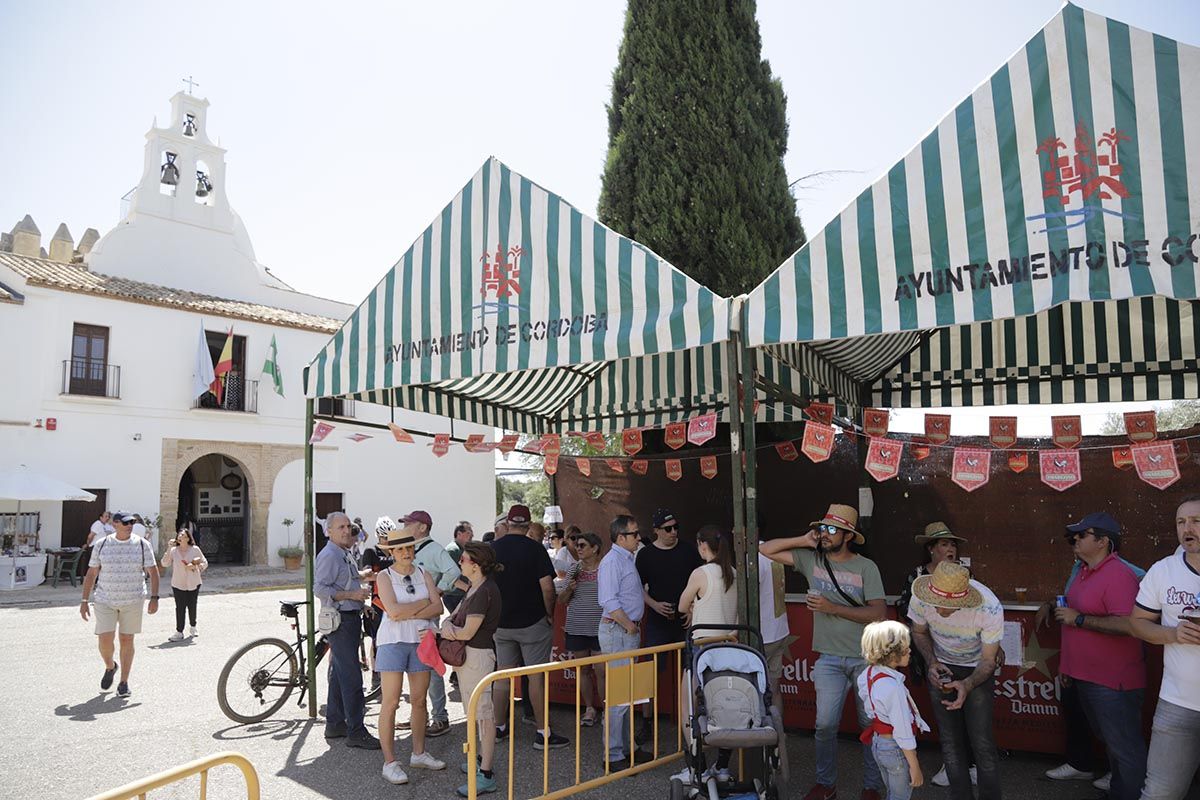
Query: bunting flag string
[(399, 434), (359, 437)]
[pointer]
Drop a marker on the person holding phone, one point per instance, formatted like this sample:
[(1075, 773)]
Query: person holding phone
[(187, 563), (581, 597)]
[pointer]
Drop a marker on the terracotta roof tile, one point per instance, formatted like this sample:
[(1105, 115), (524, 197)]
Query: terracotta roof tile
[(77, 278)]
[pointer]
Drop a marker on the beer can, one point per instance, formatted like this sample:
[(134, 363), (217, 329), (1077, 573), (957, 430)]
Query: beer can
[(1060, 601)]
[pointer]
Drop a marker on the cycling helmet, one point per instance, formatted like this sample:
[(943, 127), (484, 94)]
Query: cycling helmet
[(383, 525)]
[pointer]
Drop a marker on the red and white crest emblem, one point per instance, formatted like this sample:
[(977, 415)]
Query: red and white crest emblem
[(1002, 431), (441, 444), (875, 421), (708, 466), (1141, 426), (883, 458), (702, 428), (674, 468), (937, 428), (675, 435), (501, 272), (972, 467), (1156, 464), (640, 466), (1060, 468), (631, 441), (585, 466), (818, 441), (1067, 431), (787, 450)]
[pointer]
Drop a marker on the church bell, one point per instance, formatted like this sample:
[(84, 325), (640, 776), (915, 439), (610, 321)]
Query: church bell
[(203, 184), (170, 172)]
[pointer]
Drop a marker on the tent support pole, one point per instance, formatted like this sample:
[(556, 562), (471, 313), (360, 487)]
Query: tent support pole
[(750, 477), (309, 557), (736, 454)]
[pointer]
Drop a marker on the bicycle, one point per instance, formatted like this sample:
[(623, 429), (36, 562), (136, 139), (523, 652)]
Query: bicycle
[(259, 678)]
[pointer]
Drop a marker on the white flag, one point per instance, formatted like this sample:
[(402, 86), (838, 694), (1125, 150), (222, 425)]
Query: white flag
[(202, 375)]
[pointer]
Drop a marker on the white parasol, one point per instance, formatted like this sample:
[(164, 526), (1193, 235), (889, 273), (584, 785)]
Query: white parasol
[(22, 484)]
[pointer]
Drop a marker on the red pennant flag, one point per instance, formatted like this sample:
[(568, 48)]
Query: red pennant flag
[(1018, 462), (937, 428), (441, 444), (883, 458), (508, 443), (584, 465), (1002, 431), (1156, 464), (1122, 457), (971, 468), (820, 412), (640, 466), (485, 447), (787, 450), (1141, 426), (631, 441), (1060, 468), (399, 434), (875, 421), (320, 431), (708, 466), (674, 469), (1182, 451), (595, 439), (920, 451), (358, 437), (550, 464), (675, 435), (702, 428), (818, 441), (551, 444), (473, 441), (1067, 431), (615, 465)]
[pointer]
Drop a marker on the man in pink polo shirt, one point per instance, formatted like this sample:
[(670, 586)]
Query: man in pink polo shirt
[(1099, 652)]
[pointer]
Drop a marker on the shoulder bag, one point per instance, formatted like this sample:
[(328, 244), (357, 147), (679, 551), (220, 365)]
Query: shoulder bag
[(454, 651)]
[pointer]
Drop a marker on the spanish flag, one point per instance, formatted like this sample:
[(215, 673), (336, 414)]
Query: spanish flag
[(223, 367)]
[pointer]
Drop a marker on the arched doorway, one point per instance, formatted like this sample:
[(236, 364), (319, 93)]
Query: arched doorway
[(214, 495)]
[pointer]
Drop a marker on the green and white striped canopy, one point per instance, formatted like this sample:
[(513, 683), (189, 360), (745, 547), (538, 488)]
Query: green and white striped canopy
[(1015, 238), (515, 309)]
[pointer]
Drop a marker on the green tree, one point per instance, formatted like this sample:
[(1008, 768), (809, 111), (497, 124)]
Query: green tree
[(697, 131), (1173, 416)]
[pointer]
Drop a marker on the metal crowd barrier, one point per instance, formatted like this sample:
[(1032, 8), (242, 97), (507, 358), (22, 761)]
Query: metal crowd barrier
[(200, 766), (636, 681)]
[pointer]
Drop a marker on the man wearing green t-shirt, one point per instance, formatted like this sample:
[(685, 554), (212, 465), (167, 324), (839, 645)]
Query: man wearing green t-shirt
[(845, 594)]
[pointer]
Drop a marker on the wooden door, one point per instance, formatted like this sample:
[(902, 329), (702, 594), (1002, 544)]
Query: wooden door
[(89, 360), (326, 502), (78, 516)]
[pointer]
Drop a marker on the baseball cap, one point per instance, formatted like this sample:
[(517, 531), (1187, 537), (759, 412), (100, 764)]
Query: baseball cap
[(518, 515), (662, 516), (1100, 521), (124, 517), (418, 516)]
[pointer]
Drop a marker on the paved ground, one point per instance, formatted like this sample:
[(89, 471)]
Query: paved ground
[(63, 738)]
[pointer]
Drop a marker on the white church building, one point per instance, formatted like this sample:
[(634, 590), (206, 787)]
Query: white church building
[(101, 348)]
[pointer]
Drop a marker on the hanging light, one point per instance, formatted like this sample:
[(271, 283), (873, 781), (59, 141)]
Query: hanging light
[(170, 172)]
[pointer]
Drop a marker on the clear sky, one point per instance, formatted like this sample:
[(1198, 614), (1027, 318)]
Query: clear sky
[(349, 129)]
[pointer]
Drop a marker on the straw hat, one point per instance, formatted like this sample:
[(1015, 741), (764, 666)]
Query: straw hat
[(844, 517), (935, 531), (397, 538), (948, 587)]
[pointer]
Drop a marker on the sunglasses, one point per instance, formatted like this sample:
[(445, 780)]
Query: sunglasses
[(408, 585), (830, 529), (668, 528), (632, 533), (1071, 537)]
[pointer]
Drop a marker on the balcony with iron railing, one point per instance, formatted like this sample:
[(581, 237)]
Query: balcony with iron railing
[(239, 395), (90, 378)]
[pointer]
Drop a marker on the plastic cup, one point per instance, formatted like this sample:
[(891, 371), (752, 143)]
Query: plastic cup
[(1021, 590)]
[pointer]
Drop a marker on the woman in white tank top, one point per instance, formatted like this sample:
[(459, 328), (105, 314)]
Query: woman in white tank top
[(709, 597)]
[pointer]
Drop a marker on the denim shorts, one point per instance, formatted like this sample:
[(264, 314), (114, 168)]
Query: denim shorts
[(399, 657)]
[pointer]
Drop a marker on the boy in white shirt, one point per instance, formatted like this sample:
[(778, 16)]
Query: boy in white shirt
[(894, 717)]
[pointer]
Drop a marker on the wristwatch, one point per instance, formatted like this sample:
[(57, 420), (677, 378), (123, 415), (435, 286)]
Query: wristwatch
[(1079, 620)]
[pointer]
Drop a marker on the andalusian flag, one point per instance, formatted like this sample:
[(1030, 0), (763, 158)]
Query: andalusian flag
[(271, 367), (223, 367)]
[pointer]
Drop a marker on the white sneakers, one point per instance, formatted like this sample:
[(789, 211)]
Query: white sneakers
[(192, 631), (177, 636), (1103, 784), (1065, 772), (425, 761), (942, 779), (394, 773)]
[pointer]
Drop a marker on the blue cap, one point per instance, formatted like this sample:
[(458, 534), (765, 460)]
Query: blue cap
[(1100, 521)]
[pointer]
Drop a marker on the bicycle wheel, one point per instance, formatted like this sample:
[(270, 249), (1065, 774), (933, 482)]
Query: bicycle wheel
[(257, 680)]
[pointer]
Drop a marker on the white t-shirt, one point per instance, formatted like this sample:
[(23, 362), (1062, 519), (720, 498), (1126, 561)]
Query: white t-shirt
[(959, 638), (772, 608), (409, 631), (122, 563), (99, 531), (1169, 586), (563, 560)]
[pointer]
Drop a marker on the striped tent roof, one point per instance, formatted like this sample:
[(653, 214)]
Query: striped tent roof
[(515, 309), (1012, 253)]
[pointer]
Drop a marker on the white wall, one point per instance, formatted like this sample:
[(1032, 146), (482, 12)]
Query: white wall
[(95, 446)]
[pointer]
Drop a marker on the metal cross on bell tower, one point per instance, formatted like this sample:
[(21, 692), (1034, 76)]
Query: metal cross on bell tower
[(190, 83)]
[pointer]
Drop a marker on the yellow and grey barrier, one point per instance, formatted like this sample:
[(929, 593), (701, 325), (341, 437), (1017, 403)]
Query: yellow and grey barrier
[(200, 766), (633, 682)]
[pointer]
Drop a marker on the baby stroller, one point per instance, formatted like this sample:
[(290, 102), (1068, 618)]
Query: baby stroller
[(727, 705)]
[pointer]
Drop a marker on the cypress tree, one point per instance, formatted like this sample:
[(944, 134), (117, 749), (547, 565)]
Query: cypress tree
[(697, 130)]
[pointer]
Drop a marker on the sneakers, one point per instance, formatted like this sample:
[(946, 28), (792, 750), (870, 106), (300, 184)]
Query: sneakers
[(640, 757), (107, 678), (335, 732), (1065, 772), (821, 792), (425, 761), (123, 689), (193, 632), (722, 775), (942, 779), (1104, 783), (364, 742), (483, 785), (501, 733), (177, 636), (684, 776), (589, 718), (528, 718), (438, 727), (543, 742), (394, 773)]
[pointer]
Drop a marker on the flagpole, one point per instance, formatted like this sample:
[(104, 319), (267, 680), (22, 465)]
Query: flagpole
[(309, 554)]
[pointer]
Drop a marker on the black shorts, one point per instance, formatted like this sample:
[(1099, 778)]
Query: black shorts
[(580, 643)]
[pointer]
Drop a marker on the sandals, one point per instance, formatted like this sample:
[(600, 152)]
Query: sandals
[(590, 718)]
